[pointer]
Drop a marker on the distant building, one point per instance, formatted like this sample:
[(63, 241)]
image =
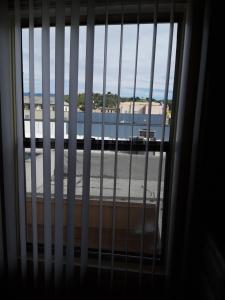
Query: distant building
[(107, 110), (124, 107), (39, 105), (141, 107)]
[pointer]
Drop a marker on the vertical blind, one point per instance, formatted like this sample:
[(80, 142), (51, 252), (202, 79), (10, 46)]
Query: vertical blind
[(46, 138), (60, 246)]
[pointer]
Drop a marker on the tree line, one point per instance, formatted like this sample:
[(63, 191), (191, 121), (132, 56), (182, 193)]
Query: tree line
[(111, 100)]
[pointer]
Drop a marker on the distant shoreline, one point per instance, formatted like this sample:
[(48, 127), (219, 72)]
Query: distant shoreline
[(157, 98)]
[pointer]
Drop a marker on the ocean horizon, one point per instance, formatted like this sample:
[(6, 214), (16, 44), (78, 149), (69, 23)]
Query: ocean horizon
[(158, 94)]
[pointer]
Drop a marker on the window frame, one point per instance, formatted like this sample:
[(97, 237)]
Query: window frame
[(109, 145)]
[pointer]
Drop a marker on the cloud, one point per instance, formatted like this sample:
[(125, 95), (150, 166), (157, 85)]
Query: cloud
[(128, 59)]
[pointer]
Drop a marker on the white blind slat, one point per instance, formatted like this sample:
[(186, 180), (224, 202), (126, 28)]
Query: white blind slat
[(152, 70), (116, 148), (46, 138), (59, 137), (87, 137), (131, 142), (20, 147), (72, 157), (32, 137), (102, 143), (159, 181)]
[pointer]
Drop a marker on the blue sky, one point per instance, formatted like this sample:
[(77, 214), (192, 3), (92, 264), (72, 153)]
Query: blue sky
[(128, 59)]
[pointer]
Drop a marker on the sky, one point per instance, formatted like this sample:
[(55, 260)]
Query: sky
[(128, 60)]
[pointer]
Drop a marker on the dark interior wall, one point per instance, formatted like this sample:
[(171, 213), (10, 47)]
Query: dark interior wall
[(205, 272), (178, 271), (199, 263)]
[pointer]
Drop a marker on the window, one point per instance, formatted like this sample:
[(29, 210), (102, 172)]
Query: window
[(97, 109)]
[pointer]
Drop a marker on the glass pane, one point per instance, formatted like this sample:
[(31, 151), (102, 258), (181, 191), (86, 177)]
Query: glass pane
[(132, 124)]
